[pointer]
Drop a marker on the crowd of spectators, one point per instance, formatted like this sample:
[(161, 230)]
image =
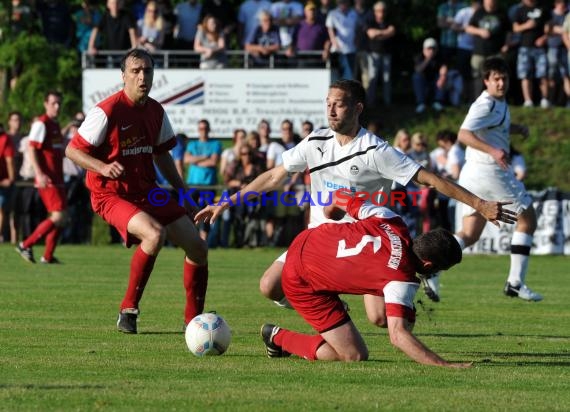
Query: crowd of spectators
[(357, 38)]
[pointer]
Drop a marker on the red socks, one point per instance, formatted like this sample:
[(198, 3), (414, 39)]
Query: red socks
[(42, 230), (141, 267), (51, 242), (195, 283), (299, 344)]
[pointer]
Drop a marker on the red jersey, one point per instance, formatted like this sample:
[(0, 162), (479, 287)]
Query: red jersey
[(118, 130), (370, 256), (45, 136), (6, 150)]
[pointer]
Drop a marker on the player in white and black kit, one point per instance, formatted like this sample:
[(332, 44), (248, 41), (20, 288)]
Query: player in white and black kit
[(345, 155), (487, 173)]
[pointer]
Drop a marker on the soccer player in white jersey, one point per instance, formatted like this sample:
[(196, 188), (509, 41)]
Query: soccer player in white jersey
[(346, 155), (487, 173)]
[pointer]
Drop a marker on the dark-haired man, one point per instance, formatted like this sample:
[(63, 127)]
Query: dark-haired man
[(487, 172), (346, 155), (46, 156), (374, 256), (117, 144)]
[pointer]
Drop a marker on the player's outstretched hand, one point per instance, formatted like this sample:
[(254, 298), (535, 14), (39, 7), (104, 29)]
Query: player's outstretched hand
[(494, 212), (210, 213)]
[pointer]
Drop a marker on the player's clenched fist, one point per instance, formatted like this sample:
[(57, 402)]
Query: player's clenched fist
[(113, 170)]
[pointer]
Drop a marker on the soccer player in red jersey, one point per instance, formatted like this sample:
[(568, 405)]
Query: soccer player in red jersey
[(374, 256), (46, 155), (7, 175), (117, 144)]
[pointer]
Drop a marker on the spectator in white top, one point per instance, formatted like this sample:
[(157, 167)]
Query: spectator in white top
[(341, 24), (465, 44)]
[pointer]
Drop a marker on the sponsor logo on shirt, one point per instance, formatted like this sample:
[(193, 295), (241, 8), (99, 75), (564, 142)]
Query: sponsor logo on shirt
[(354, 170)]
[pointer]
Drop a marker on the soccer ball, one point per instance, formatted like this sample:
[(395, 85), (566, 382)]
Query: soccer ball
[(208, 334)]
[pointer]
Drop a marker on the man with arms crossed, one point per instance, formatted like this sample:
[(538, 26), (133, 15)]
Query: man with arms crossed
[(487, 173), (346, 155), (117, 144), (382, 260)]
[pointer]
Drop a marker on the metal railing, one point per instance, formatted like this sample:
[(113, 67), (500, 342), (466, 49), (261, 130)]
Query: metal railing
[(179, 59)]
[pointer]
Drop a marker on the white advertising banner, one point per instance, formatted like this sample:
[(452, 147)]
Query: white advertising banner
[(229, 99), (552, 235)]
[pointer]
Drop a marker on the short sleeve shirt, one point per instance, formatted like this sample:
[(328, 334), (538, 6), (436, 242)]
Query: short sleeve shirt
[(367, 164), (372, 256), (490, 120), (118, 130), (45, 135)]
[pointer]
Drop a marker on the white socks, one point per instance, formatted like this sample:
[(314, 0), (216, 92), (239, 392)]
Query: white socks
[(520, 251)]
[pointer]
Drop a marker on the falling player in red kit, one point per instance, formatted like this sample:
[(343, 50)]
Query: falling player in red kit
[(374, 255), (117, 144), (46, 155)]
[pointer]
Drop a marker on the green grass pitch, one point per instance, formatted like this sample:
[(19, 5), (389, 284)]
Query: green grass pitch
[(59, 348)]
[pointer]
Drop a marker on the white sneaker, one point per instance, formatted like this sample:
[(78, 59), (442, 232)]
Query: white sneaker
[(437, 106), (420, 108), (521, 291), (545, 104), (431, 287), (528, 103)]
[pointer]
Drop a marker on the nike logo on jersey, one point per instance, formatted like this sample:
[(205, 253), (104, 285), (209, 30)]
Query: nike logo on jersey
[(123, 128), (321, 151)]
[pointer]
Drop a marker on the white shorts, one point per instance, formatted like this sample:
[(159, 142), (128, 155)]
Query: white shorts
[(490, 182), (282, 257)]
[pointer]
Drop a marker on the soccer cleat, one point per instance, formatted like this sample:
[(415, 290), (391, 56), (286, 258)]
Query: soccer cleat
[(431, 287), (522, 292), (545, 103), (420, 108), (26, 253), (268, 332), (53, 261), (528, 103), (127, 320)]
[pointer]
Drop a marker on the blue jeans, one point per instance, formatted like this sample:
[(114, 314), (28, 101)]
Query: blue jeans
[(379, 67), (424, 88), (346, 65)]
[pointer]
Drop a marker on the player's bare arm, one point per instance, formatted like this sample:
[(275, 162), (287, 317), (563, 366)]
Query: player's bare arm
[(270, 180), (167, 167), (404, 340), (494, 212), (111, 170), (468, 138)]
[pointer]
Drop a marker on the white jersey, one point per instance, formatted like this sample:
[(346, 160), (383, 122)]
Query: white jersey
[(367, 164), (490, 120)]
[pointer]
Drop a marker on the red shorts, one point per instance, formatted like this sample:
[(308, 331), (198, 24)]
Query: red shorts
[(321, 309), (118, 211), (54, 198)]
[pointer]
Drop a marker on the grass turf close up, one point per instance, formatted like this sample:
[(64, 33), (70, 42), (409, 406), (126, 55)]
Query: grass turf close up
[(59, 348)]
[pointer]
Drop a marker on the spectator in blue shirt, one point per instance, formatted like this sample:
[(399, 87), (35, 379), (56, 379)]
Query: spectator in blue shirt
[(202, 156)]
